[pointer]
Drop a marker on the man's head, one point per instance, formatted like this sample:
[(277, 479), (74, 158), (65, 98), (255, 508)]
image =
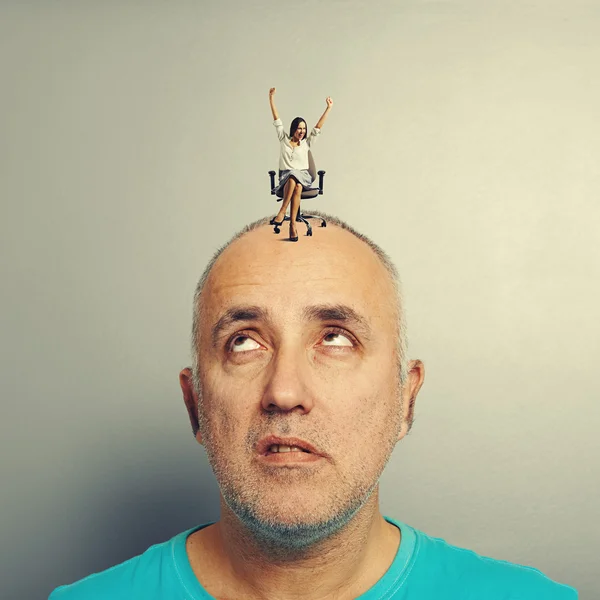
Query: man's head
[(299, 345)]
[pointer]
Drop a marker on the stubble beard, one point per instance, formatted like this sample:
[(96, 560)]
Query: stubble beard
[(244, 494)]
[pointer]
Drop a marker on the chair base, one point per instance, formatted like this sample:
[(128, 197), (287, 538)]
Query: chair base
[(303, 218)]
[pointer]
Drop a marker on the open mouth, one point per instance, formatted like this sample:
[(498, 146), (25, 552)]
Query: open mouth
[(277, 448), (290, 447)]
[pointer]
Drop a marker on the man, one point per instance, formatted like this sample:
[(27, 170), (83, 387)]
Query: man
[(299, 391)]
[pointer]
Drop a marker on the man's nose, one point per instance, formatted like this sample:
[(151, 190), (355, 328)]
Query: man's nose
[(287, 387)]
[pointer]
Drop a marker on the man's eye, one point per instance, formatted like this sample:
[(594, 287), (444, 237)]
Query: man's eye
[(337, 339), (243, 343)]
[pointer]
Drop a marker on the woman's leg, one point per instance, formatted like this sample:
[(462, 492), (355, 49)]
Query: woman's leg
[(296, 197), (288, 190)]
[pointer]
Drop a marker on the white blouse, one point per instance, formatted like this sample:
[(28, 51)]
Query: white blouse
[(294, 157)]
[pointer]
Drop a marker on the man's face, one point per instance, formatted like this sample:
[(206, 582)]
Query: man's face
[(300, 404)]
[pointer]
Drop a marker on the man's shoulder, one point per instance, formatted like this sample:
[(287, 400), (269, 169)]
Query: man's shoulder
[(484, 575), (142, 576)]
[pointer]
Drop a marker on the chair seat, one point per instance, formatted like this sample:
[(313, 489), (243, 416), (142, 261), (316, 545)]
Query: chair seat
[(306, 194)]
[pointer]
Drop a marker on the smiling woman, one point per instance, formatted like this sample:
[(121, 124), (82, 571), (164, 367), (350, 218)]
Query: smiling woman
[(294, 176)]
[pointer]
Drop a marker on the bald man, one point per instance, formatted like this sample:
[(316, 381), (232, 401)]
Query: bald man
[(299, 390)]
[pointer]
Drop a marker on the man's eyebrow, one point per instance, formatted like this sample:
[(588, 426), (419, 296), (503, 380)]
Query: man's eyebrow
[(236, 315), (337, 312)]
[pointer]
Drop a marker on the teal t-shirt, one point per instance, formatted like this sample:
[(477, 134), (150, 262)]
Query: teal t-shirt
[(424, 568)]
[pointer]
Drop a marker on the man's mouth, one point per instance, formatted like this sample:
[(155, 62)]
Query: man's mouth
[(292, 448), (281, 448)]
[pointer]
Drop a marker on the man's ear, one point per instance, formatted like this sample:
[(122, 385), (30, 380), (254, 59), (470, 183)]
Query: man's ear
[(412, 385), (186, 381)]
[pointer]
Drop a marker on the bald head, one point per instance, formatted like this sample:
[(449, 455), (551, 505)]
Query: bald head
[(301, 342), (336, 258)]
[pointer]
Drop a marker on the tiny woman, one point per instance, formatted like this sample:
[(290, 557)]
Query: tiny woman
[(293, 162)]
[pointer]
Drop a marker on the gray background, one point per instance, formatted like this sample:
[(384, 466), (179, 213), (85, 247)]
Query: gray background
[(135, 137)]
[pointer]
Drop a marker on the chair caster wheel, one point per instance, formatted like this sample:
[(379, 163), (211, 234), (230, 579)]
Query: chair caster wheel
[(324, 224), (276, 230), (309, 233)]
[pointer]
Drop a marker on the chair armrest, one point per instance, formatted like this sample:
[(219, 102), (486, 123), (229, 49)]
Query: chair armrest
[(272, 176), (321, 175)]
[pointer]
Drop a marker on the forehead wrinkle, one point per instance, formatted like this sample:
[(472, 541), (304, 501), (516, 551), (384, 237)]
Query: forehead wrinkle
[(237, 314), (337, 312), (253, 270)]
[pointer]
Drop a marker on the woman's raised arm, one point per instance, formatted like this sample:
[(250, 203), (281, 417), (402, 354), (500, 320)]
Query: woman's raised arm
[(329, 103), (272, 103)]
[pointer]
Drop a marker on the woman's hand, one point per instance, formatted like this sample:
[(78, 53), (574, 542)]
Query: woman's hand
[(328, 101), (271, 92)]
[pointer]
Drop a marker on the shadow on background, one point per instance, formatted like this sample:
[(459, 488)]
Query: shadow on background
[(115, 513)]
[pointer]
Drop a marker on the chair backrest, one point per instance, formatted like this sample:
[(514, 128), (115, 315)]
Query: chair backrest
[(311, 166)]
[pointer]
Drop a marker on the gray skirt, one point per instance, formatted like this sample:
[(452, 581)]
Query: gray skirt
[(301, 176)]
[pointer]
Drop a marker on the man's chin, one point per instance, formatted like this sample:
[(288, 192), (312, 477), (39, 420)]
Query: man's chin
[(293, 534), (292, 526)]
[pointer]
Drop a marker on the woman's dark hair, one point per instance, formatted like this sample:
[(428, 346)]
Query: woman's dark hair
[(295, 124)]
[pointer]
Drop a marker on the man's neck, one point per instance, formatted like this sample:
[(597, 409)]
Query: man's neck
[(230, 563)]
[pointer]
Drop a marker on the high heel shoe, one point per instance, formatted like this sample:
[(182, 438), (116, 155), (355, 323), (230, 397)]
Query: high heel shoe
[(276, 223), (293, 238)]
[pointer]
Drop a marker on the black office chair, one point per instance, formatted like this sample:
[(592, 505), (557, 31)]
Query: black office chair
[(313, 192)]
